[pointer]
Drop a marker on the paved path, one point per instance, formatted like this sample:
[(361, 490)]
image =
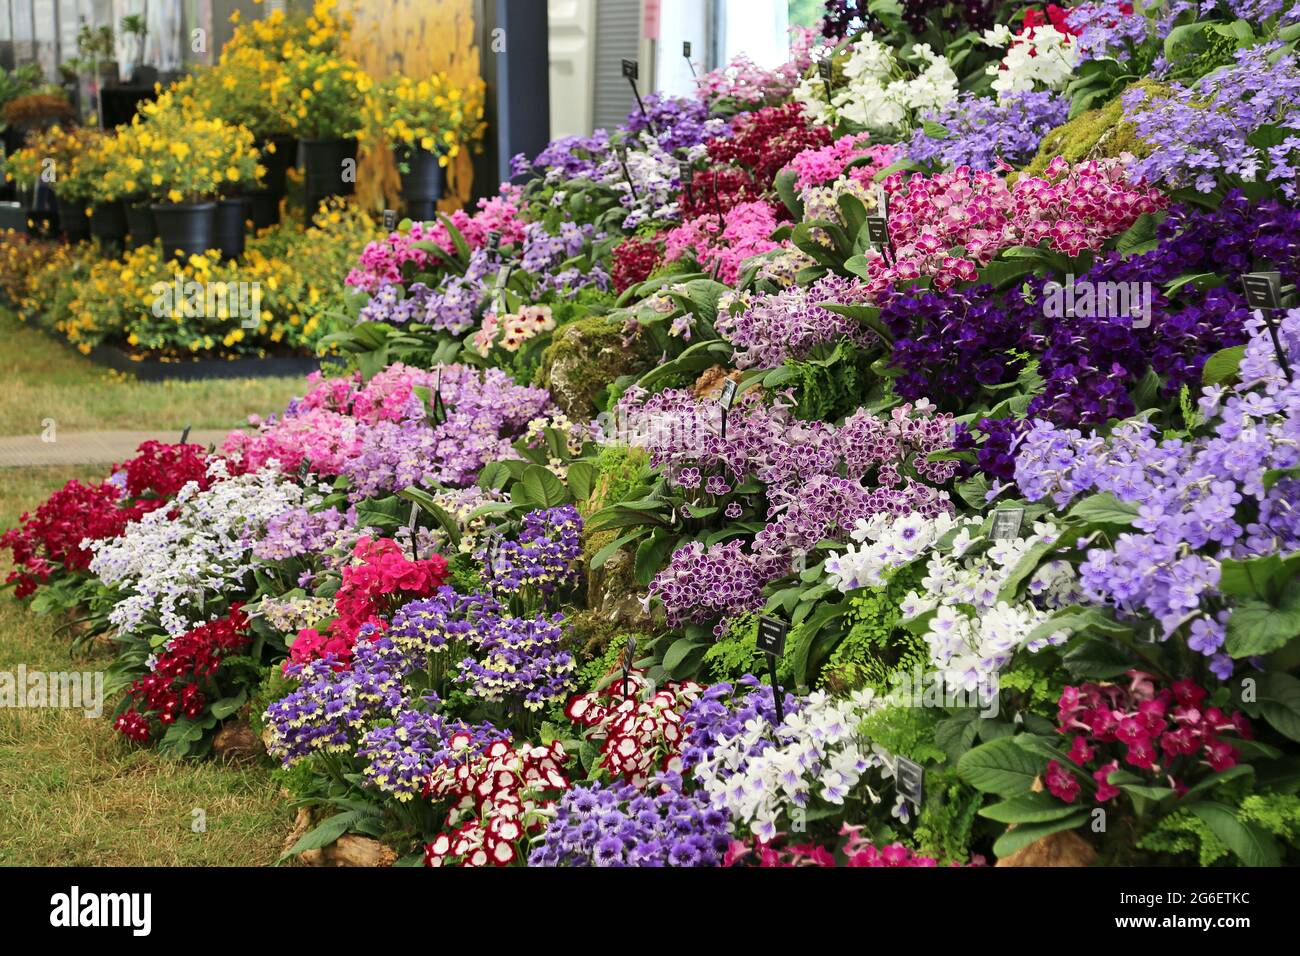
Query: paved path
[(88, 448)]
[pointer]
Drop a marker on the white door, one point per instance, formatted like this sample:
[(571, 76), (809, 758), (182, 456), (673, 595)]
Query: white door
[(572, 46)]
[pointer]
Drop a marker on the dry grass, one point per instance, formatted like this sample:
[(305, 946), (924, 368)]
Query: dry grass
[(45, 379)]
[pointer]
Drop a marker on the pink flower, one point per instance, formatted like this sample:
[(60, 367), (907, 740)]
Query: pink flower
[(1060, 782), (1105, 789)]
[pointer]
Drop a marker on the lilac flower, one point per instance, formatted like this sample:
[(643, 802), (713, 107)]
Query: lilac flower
[(1200, 135), (616, 825), (791, 323), (984, 133)]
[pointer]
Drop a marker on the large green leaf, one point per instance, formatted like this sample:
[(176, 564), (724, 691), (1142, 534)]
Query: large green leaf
[(543, 488), (1000, 766), (1024, 834), (1279, 702), (1029, 808), (1252, 845)]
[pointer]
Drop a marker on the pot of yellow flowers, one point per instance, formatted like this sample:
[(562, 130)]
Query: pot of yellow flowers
[(58, 158), (191, 162), (426, 122), (323, 95), (124, 176)]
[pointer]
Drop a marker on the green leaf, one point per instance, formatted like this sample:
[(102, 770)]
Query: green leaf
[(543, 488), (1222, 367), (1257, 627), (1000, 766), (935, 130), (1214, 779), (954, 735), (326, 833), (1026, 833), (223, 708), (1029, 808), (1279, 702), (582, 478), (1096, 659), (1252, 845), (604, 554), (651, 555), (1103, 509), (445, 521)]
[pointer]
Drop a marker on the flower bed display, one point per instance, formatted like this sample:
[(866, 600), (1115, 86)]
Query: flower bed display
[(828, 378)]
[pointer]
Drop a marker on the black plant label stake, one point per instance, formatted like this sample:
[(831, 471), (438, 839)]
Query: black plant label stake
[(771, 641), (632, 71), (622, 162), (1007, 523), (686, 52), (1264, 295), (910, 779), (410, 526), (629, 658), (390, 220), (725, 400)]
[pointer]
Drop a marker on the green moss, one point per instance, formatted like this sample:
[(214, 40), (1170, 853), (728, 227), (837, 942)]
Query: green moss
[(593, 639), (584, 358), (947, 817), (1096, 134)]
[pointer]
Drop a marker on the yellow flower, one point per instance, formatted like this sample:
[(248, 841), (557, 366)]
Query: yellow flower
[(175, 195)]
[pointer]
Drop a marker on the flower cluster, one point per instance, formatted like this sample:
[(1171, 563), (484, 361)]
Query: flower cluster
[(639, 734), (971, 634), (523, 662), (617, 825), (166, 560), (499, 795), (1209, 131), (183, 676), (878, 96), (984, 134), (543, 556), (720, 246), (333, 702), (1167, 734), (762, 773)]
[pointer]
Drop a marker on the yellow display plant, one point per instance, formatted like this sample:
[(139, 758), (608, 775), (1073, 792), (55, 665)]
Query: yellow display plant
[(65, 158), (323, 30), (187, 158), (235, 90), (430, 114), (322, 95), (290, 273)]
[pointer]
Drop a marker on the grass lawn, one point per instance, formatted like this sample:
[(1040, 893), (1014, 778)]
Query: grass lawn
[(74, 792), (44, 378)]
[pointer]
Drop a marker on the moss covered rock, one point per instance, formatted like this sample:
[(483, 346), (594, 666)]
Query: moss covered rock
[(584, 357), (1096, 134)]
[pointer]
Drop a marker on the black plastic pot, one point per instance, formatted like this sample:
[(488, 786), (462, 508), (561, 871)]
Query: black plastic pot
[(232, 216), (264, 208), (325, 162), (423, 183), (73, 219), (186, 228), (140, 226), (108, 222), (277, 164)]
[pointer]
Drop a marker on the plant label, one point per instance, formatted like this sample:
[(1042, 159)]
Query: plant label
[(390, 219), (910, 778), (1263, 289), (1006, 524), (771, 635)]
